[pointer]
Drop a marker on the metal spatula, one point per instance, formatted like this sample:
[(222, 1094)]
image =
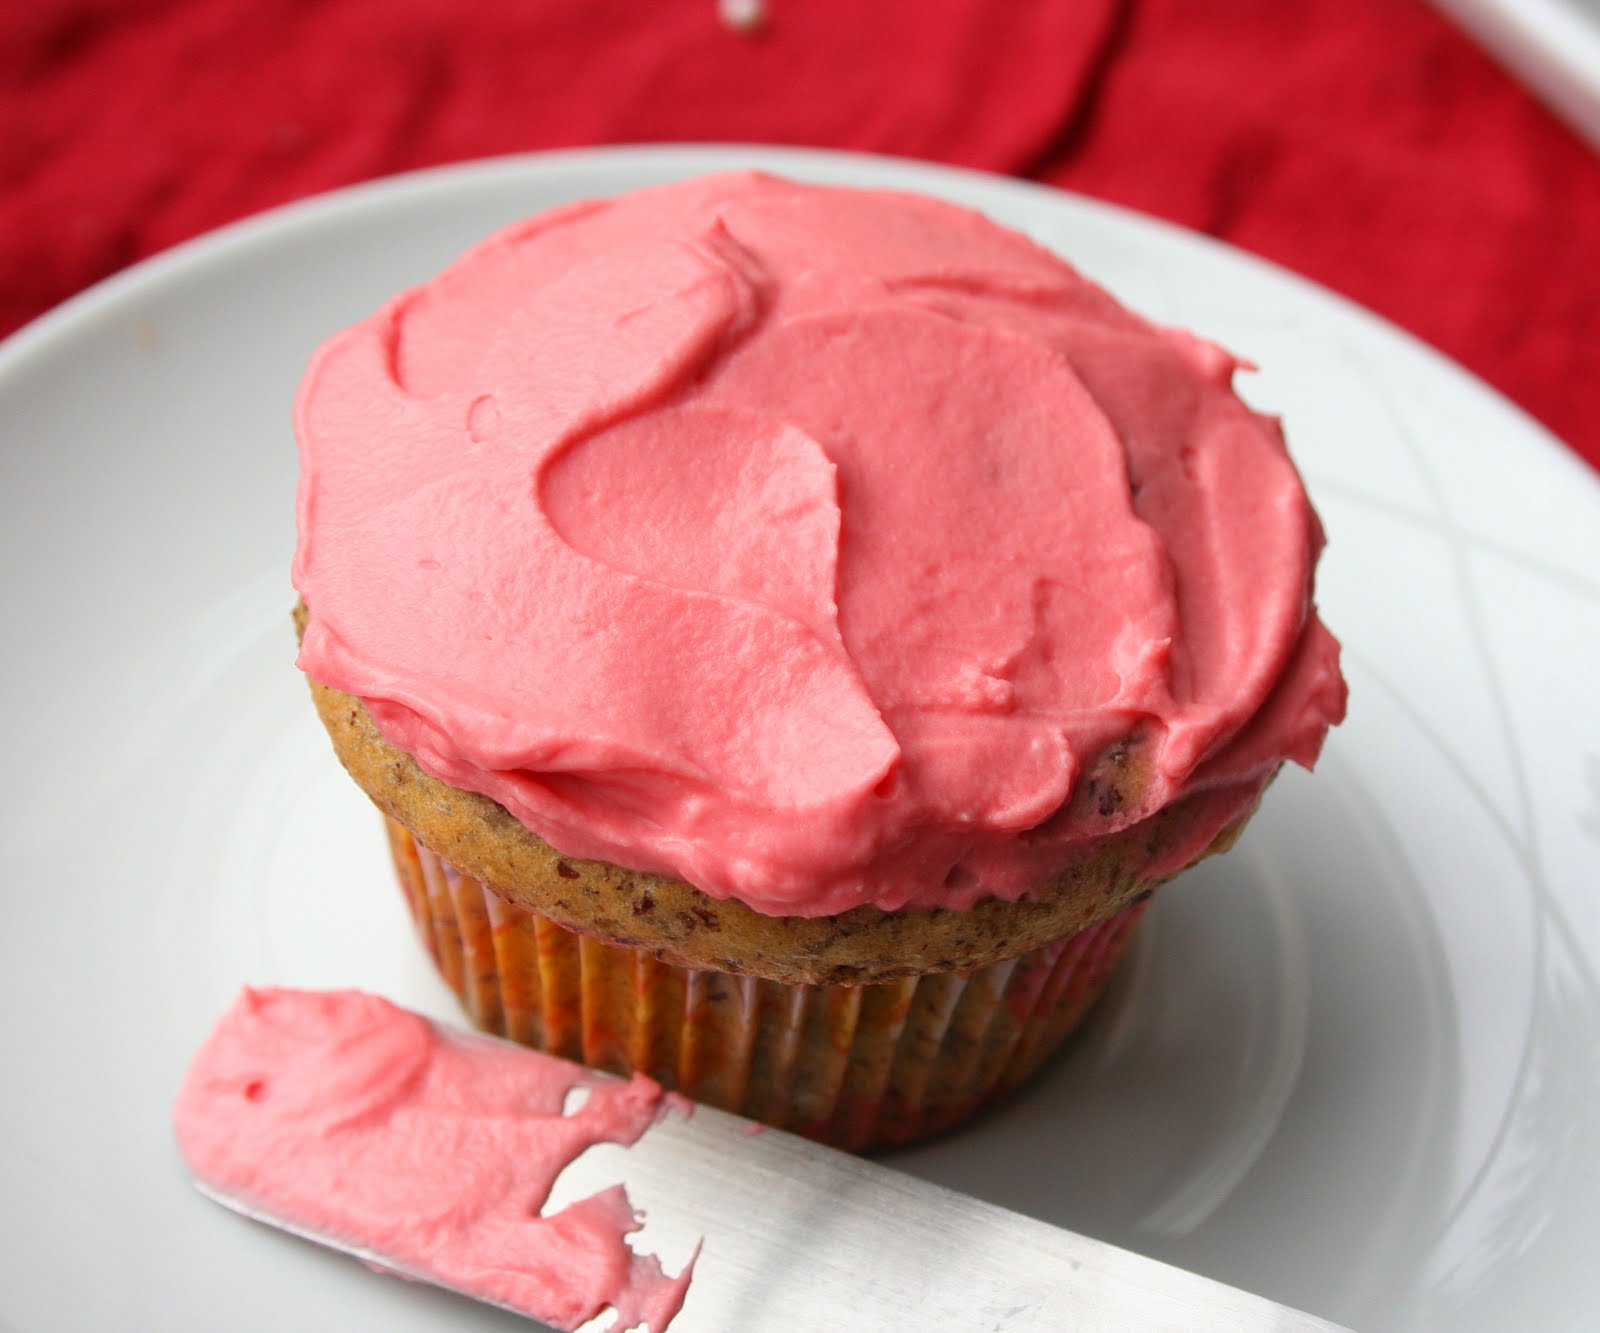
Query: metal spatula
[(799, 1237)]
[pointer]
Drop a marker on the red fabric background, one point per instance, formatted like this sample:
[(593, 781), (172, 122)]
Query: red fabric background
[(1364, 143)]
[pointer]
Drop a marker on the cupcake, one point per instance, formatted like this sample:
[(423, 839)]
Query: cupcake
[(790, 631)]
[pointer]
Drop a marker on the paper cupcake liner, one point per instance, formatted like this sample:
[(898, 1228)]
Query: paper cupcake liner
[(859, 1067)]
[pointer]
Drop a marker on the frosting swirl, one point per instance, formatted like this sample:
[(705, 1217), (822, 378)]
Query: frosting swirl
[(812, 545)]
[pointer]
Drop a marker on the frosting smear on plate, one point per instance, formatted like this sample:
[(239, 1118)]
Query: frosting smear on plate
[(808, 544)]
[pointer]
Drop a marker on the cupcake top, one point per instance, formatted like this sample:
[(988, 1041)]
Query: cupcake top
[(819, 547)]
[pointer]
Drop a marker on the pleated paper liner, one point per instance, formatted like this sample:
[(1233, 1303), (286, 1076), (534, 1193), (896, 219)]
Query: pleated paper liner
[(859, 1067)]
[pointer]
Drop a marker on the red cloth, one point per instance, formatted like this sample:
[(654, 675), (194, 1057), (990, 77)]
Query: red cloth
[(1365, 143)]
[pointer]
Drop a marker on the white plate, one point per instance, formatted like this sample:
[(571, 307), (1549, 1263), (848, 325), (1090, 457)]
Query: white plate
[(1352, 1067), (1551, 45)]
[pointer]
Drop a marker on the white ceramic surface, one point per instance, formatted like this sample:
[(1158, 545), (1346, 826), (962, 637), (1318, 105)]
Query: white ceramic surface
[(1353, 1066), (1551, 45)]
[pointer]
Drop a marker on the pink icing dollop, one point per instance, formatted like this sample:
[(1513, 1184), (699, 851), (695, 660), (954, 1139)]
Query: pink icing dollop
[(347, 1115), (808, 544)]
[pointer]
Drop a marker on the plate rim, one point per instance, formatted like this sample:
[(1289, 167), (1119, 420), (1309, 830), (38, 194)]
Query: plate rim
[(223, 243)]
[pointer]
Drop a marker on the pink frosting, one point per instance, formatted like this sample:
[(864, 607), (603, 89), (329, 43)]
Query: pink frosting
[(345, 1115), (808, 544)]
